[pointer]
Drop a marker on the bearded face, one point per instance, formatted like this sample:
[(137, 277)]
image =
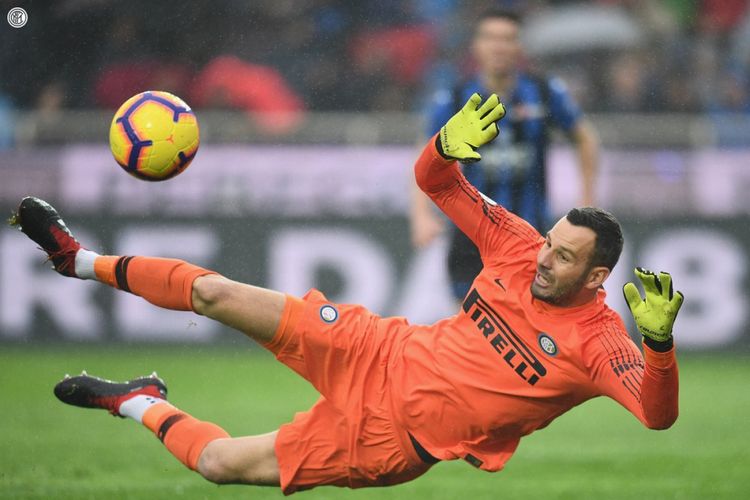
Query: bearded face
[(565, 276)]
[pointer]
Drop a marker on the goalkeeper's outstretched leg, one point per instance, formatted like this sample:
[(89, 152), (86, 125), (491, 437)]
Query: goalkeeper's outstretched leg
[(168, 283), (201, 446), (349, 438), (173, 284)]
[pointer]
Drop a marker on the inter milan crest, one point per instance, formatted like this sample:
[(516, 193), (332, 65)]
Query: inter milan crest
[(547, 344), (328, 313)]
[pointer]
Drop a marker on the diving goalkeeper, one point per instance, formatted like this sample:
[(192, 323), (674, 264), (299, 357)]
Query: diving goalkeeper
[(532, 339)]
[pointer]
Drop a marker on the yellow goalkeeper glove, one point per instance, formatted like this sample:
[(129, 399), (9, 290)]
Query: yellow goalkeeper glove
[(655, 314), (474, 126)]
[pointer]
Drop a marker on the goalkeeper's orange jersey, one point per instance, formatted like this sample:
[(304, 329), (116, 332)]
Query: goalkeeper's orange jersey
[(472, 385)]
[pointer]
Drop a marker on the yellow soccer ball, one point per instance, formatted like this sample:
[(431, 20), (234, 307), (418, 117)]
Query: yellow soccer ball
[(154, 136)]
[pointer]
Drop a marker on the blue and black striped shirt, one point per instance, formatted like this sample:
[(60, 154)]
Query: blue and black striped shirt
[(512, 170)]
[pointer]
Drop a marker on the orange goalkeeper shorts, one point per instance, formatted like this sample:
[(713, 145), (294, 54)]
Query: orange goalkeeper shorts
[(348, 438)]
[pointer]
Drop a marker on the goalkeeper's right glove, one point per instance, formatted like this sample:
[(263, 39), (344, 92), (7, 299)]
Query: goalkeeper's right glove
[(654, 316), (474, 126)]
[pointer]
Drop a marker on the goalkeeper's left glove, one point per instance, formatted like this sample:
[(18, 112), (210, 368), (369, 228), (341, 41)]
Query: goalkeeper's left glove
[(655, 314), (475, 125)]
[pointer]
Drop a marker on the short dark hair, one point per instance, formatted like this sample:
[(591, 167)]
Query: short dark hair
[(609, 240), (498, 13)]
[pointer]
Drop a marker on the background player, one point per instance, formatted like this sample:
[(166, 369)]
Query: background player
[(512, 169), (533, 340)]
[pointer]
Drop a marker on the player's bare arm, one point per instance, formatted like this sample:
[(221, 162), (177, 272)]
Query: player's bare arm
[(586, 142)]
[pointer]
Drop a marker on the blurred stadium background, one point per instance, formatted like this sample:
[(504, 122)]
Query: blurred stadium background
[(310, 119)]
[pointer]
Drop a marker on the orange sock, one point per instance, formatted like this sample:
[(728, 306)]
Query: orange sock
[(184, 436), (166, 283)]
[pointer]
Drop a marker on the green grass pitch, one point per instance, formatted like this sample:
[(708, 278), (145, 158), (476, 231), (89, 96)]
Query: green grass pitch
[(49, 450)]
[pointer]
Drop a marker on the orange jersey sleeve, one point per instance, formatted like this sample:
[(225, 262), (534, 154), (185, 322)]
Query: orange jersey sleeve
[(495, 231), (647, 385)]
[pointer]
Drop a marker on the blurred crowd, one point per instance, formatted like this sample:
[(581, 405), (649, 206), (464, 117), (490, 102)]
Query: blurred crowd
[(355, 55)]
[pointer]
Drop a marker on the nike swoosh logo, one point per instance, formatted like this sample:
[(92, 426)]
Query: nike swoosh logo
[(499, 282)]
